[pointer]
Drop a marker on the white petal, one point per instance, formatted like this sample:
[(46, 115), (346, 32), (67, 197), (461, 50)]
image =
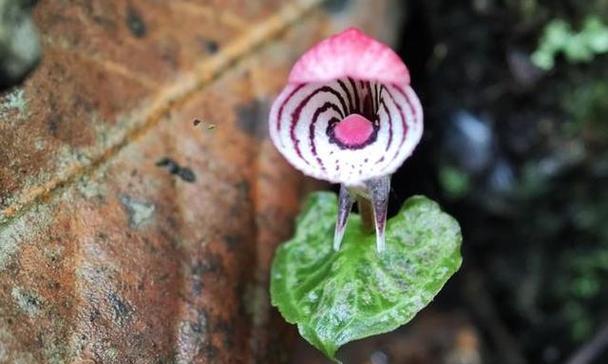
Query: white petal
[(303, 118)]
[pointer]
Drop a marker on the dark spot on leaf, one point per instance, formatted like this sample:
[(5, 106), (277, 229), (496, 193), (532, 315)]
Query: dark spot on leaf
[(211, 46), (94, 314), (196, 122), (136, 23), (196, 327), (33, 301), (199, 325), (244, 188), (28, 301), (209, 351), (53, 123), (169, 164), (121, 310), (197, 285), (232, 240), (212, 265), (226, 329), (185, 173), (252, 118)]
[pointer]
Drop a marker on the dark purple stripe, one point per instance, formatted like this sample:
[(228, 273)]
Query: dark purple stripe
[(295, 116), (350, 100), (313, 148), (377, 92), (279, 116), (371, 98), (408, 100), (390, 125), (405, 128), (356, 92), (344, 110)]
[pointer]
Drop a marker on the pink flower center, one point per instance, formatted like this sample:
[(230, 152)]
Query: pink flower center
[(353, 130)]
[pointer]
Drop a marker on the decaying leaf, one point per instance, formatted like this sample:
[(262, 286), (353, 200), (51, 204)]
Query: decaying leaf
[(106, 256)]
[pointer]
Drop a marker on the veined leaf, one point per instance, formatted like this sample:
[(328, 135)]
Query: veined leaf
[(338, 297)]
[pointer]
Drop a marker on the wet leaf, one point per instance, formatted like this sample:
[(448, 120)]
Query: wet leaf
[(338, 297)]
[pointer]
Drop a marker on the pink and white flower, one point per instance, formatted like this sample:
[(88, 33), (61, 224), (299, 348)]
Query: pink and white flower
[(348, 115)]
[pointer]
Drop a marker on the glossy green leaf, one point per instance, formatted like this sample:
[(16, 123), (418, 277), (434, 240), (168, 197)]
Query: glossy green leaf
[(338, 297)]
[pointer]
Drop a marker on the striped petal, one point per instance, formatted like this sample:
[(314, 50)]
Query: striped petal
[(346, 130), (349, 116)]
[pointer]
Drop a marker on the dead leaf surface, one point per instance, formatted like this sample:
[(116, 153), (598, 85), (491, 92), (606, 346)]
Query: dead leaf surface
[(128, 234)]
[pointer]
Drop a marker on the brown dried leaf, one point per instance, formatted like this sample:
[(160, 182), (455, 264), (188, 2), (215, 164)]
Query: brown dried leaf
[(128, 234)]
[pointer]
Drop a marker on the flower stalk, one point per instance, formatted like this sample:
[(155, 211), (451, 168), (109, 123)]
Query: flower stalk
[(366, 211)]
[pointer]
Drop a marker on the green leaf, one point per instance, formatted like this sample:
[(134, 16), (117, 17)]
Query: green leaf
[(338, 297)]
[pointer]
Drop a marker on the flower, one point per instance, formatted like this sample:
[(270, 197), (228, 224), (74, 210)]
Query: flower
[(348, 115)]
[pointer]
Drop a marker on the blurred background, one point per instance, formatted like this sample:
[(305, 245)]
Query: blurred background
[(515, 94), (131, 234)]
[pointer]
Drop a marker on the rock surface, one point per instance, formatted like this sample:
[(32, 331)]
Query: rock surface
[(140, 199), (19, 41)]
